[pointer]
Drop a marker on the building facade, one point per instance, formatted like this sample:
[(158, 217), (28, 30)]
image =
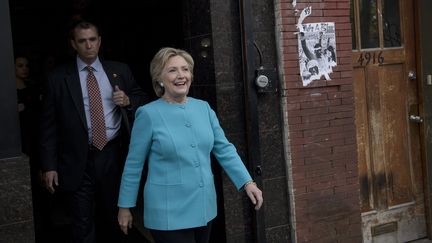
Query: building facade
[(326, 101)]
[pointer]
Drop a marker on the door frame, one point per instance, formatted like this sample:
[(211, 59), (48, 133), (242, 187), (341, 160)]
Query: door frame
[(424, 67), (10, 146)]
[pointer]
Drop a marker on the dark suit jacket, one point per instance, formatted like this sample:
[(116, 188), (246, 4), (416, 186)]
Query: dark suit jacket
[(64, 133)]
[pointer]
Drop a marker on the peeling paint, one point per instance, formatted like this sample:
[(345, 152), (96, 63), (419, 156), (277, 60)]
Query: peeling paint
[(410, 221), (305, 12)]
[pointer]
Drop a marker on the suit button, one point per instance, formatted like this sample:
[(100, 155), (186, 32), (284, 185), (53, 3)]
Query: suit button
[(188, 125), (201, 184), (193, 145), (196, 163)]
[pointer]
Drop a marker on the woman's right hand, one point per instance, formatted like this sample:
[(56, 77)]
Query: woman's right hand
[(125, 219)]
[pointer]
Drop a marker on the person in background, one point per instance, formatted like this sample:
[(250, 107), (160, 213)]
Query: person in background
[(28, 97), (176, 134), (84, 135), (28, 100)]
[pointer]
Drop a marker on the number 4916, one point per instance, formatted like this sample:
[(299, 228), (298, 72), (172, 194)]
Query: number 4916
[(367, 58)]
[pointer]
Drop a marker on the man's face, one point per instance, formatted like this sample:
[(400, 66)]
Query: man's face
[(318, 51), (314, 70), (87, 43)]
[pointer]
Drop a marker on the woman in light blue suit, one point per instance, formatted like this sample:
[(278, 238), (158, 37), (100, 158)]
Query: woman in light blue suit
[(176, 135)]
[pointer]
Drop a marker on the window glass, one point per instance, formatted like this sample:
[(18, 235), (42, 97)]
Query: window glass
[(369, 24), (391, 23)]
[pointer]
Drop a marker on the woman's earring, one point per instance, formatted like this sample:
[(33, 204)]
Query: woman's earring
[(161, 84)]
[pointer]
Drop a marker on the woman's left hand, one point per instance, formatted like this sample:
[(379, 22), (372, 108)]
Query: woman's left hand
[(255, 195), (125, 219)]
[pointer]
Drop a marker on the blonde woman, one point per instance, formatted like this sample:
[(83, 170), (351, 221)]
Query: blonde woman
[(176, 135)]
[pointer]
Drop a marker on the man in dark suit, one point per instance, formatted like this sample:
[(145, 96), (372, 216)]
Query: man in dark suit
[(84, 135)]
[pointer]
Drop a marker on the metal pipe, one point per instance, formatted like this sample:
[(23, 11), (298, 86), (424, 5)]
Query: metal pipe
[(251, 103)]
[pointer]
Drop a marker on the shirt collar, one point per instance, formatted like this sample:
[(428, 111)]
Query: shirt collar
[(97, 65)]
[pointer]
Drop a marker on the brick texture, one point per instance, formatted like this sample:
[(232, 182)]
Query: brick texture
[(320, 130)]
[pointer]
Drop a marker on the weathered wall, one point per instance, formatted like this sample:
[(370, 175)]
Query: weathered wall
[(230, 93), (320, 139), (9, 125), (16, 212), (16, 220)]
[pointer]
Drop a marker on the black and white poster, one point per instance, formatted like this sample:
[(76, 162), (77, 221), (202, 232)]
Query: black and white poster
[(317, 51)]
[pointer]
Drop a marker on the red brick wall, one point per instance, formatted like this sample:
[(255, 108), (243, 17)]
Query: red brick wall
[(320, 131)]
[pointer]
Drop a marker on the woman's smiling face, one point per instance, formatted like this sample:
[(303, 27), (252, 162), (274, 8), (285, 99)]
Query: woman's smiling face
[(177, 78)]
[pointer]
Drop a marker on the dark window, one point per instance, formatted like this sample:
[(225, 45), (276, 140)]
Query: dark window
[(375, 24), (369, 24), (391, 23)]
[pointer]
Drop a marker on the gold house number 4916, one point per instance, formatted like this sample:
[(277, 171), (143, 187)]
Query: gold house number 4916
[(370, 58)]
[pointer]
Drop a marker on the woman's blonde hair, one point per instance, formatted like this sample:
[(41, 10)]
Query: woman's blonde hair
[(160, 60)]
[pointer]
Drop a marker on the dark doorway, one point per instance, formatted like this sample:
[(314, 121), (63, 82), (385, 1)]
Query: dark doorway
[(131, 31)]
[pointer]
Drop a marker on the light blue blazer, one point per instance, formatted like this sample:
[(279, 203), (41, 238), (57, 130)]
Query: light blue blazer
[(177, 140)]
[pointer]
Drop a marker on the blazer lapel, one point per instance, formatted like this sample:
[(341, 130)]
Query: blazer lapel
[(113, 77), (74, 86)]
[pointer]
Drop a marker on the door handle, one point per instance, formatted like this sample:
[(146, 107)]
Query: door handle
[(416, 119), (412, 75)]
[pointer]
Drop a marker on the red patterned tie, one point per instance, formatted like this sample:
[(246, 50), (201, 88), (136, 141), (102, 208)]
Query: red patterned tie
[(97, 118)]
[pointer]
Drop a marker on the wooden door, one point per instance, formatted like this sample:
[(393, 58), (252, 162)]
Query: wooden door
[(386, 95)]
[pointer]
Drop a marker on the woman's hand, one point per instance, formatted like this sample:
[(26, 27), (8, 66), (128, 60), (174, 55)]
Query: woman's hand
[(125, 219), (255, 194)]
